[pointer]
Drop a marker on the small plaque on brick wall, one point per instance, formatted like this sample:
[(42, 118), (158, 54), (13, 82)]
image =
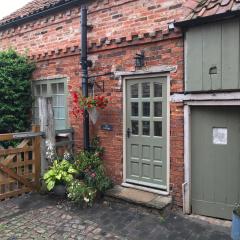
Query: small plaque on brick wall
[(107, 127)]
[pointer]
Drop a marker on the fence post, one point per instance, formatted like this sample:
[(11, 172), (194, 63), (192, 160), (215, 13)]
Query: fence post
[(37, 155), (46, 119)]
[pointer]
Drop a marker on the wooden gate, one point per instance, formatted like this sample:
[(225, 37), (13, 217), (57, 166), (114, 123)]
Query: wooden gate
[(20, 166)]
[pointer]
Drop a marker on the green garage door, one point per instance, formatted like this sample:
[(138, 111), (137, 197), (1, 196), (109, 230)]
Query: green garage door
[(215, 157)]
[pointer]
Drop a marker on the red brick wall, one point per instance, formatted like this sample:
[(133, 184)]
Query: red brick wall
[(121, 28)]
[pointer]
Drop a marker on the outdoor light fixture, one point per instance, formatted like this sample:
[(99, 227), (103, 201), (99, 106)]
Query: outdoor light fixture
[(139, 59), (171, 26)]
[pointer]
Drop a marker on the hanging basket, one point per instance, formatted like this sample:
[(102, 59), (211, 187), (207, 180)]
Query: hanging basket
[(94, 115)]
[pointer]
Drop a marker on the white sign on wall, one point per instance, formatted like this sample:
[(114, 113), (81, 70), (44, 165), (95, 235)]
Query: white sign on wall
[(220, 136)]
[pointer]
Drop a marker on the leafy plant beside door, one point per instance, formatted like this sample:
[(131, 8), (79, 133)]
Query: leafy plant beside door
[(83, 179), (58, 176)]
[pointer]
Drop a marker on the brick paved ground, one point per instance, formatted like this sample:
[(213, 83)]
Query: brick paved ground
[(40, 217)]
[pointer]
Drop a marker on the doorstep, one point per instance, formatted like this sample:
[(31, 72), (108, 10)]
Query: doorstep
[(139, 197)]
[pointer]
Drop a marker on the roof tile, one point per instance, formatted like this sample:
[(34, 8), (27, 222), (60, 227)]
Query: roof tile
[(31, 8), (206, 8)]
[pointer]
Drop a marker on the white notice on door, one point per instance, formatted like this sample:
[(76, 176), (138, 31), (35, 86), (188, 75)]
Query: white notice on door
[(220, 136)]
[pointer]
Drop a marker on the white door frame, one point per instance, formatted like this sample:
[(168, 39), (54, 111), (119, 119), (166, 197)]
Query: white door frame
[(196, 101), (142, 76)]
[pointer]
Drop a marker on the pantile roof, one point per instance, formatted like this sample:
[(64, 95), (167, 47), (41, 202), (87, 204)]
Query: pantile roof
[(31, 8), (207, 8)]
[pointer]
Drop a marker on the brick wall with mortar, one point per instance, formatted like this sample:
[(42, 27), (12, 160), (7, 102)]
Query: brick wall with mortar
[(121, 28)]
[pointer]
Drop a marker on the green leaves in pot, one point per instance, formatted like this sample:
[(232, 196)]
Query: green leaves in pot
[(60, 173)]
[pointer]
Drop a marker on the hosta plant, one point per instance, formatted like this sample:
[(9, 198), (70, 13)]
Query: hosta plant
[(61, 172)]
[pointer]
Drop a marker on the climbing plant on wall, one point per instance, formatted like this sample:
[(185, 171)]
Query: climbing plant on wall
[(15, 91)]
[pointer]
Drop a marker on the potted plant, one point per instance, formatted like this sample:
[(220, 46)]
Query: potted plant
[(91, 104), (58, 176), (236, 223), (90, 166)]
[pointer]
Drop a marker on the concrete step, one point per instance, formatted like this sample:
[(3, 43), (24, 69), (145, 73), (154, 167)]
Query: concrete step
[(139, 197)]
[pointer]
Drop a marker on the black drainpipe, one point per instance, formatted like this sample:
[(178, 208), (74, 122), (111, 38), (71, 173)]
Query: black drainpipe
[(84, 64)]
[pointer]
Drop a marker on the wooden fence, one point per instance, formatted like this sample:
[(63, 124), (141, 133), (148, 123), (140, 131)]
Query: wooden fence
[(20, 167)]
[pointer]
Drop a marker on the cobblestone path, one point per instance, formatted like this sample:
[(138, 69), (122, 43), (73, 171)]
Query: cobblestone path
[(39, 217)]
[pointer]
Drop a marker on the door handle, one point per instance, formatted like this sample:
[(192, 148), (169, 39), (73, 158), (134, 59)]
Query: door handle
[(128, 132)]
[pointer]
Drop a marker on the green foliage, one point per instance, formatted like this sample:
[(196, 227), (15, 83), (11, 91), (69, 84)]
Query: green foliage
[(79, 192), (60, 172), (96, 178), (15, 91), (91, 170), (95, 146), (86, 160)]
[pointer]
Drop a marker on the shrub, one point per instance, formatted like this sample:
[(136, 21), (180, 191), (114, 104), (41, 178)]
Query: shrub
[(15, 91), (91, 171)]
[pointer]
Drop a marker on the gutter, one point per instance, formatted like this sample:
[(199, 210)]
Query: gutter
[(208, 19), (35, 16)]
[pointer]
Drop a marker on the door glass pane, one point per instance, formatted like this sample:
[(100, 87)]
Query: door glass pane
[(54, 98), (54, 88), (145, 90), (158, 109), (38, 90), (61, 113), (61, 88), (44, 89), (157, 90), (146, 128), (135, 128), (134, 91), (60, 100), (134, 108), (158, 129), (146, 109)]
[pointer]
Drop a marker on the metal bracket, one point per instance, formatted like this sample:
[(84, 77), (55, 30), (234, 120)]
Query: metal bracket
[(92, 81)]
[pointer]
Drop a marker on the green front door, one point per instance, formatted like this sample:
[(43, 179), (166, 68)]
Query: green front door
[(215, 157), (146, 132)]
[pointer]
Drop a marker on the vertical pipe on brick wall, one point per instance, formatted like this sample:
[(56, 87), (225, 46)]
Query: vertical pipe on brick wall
[(84, 64)]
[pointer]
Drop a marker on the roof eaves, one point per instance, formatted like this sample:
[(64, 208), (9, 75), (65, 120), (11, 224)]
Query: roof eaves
[(208, 19), (40, 13)]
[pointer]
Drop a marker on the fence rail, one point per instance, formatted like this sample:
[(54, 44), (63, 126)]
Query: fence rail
[(20, 166)]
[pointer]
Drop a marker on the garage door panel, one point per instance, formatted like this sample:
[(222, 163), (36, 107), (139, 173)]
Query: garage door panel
[(215, 157), (213, 209)]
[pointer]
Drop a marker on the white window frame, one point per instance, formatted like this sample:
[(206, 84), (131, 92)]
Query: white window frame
[(50, 81)]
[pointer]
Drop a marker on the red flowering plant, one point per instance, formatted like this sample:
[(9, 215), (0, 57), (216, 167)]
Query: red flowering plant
[(87, 103)]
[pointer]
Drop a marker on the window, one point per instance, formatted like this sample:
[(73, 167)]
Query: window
[(57, 90)]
